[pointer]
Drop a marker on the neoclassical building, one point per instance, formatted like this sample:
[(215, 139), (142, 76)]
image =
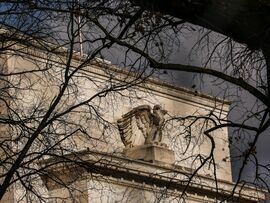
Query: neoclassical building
[(115, 136)]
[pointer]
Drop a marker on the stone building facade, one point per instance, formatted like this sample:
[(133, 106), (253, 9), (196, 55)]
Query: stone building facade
[(98, 170)]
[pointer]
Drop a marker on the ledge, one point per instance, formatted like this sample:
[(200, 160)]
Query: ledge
[(174, 178)]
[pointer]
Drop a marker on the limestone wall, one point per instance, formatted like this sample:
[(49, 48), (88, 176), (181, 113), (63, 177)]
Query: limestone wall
[(93, 78), (99, 108)]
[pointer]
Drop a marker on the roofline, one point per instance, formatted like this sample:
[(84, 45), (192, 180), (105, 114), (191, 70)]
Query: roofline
[(105, 65)]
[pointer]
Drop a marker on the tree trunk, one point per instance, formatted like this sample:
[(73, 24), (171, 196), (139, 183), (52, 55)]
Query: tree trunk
[(266, 53), (246, 21)]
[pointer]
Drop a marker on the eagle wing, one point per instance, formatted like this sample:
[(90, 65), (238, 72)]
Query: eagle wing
[(143, 120)]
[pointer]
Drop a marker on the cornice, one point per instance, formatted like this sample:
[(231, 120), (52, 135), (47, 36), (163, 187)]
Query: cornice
[(170, 177), (101, 67)]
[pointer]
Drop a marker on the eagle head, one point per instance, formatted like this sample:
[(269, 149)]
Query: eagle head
[(158, 108)]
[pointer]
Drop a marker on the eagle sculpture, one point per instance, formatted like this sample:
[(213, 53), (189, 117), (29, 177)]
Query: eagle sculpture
[(149, 124)]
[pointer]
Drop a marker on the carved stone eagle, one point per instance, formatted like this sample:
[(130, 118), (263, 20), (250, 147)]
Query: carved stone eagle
[(149, 124)]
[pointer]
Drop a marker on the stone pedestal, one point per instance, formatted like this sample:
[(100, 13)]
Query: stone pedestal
[(152, 153)]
